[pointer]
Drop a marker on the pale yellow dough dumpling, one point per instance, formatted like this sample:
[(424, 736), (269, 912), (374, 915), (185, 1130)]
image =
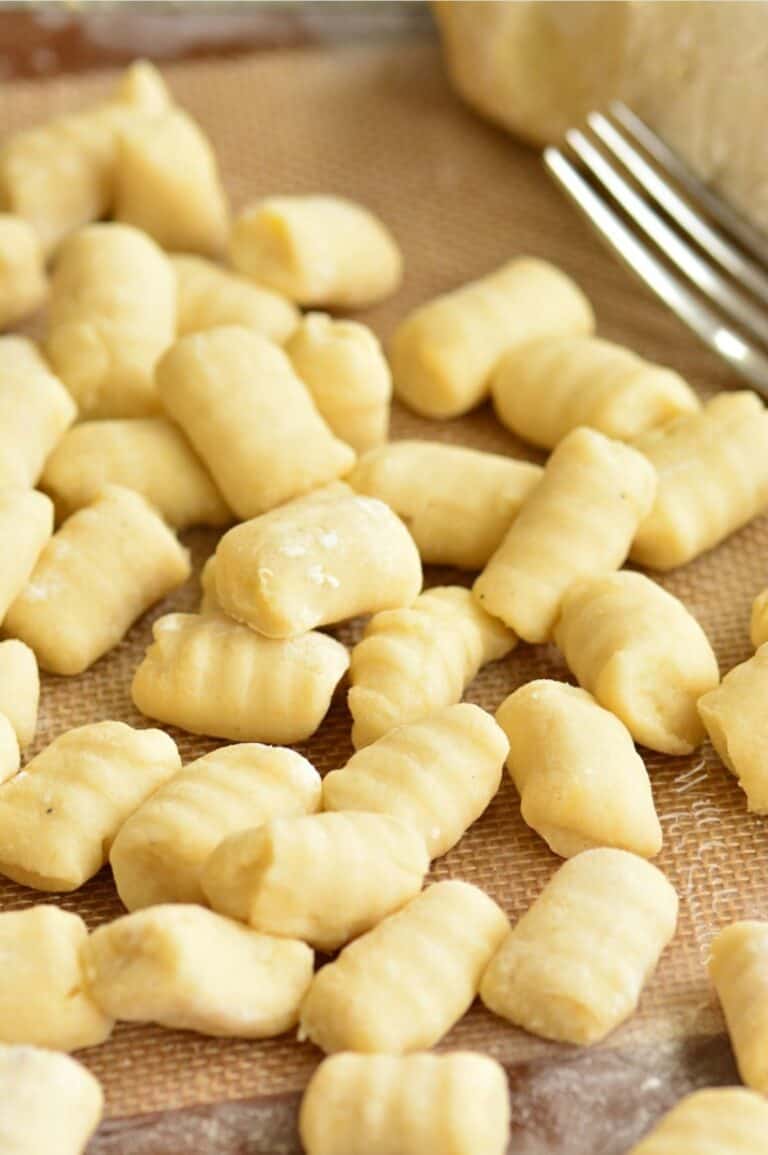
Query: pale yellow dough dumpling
[(736, 719), (26, 524), (35, 411), (738, 967), (49, 1102), (758, 628), (10, 754), (23, 284), (209, 295), (19, 688), (720, 1121)]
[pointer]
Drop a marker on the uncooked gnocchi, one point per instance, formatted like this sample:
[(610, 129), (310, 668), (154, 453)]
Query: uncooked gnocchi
[(35, 412), (739, 969), (209, 296), (718, 1121), (19, 688), (49, 1102), (736, 720), (23, 284), (758, 627), (209, 603), (10, 754), (26, 524)]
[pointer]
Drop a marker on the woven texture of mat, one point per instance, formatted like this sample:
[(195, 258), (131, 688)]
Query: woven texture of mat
[(380, 125)]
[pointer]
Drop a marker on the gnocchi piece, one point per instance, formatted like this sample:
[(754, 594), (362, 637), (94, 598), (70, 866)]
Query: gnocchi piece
[(209, 296), (167, 183), (642, 654), (581, 782), (317, 250), (209, 603), (406, 1104), (758, 630), (404, 984), (107, 564), (578, 522), (573, 967), (10, 755), (545, 388), (192, 970), (322, 878), (251, 419), (437, 775), (735, 718), (458, 503), (314, 562), (739, 970), (26, 524), (412, 662), (443, 354), (210, 675), (60, 815), (147, 454), (342, 365), (35, 412), (42, 997), (717, 1121), (23, 285), (159, 853), (712, 468), (19, 688), (50, 1103)]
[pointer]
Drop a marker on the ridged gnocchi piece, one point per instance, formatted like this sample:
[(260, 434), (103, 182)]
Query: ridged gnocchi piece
[(712, 468), (322, 878), (147, 454), (581, 782), (61, 814), (192, 970), (107, 564), (316, 561), (210, 675), (458, 503), (50, 1103), (578, 522), (412, 662), (344, 368), (443, 354), (718, 1121), (251, 419), (406, 1105), (35, 412), (209, 295), (10, 754), (438, 775), (43, 1000), (736, 720), (26, 524), (159, 853), (572, 969), (404, 984), (23, 284), (545, 388), (112, 312), (317, 250), (739, 969), (642, 654), (758, 626)]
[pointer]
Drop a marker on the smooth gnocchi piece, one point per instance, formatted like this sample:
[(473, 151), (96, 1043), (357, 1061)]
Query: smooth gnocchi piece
[(251, 419), (578, 522), (209, 603), (437, 775), (412, 662), (35, 412), (458, 503), (10, 754), (718, 1121), (443, 354), (581, 782), (317, 250), (404, 984), (159, 853), (738, 967), (210, 675), (758, 627), (406, 1104), (107, 564), (572, 969), (643, 655), (544, 388), (61, 814), (322, 878), (26, 524), (49, 1102), (736, 720), (712, 468), (344, 368), (209, 296), (23, 284), (147, 454), (316, 561), (43, 1000), (192, 970)]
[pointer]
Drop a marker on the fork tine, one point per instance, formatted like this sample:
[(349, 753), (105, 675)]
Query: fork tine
[(715, 244), (747, 361), (699, 271)]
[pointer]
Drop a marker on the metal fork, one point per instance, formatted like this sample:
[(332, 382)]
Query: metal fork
[(619, 171)]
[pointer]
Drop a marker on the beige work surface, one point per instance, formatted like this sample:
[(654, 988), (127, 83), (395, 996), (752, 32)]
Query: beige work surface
[(380, 125)]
